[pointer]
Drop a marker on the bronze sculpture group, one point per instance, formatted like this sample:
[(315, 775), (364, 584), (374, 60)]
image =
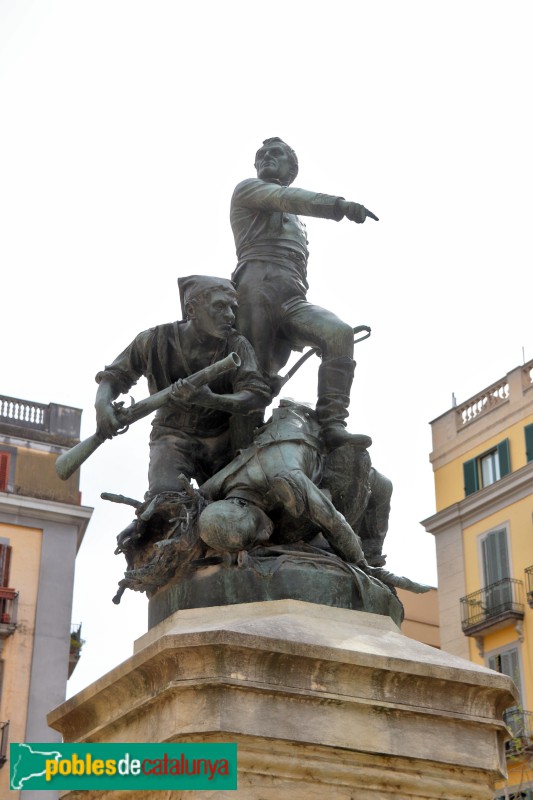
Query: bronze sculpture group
[(227, 492)]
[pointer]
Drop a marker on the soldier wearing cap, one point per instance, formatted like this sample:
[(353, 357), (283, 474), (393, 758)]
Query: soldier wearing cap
[(271, 278), (190, 434)]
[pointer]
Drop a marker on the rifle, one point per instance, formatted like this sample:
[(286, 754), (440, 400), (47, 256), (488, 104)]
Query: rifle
[(313, 351), (67, 463)]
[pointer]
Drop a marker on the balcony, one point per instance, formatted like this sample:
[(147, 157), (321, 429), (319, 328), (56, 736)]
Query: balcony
[(8, 611), (484, 401), (529, 585), (76, 643), (4, 736), (520, 723), (50, 423), (493, 607), (522, 793)]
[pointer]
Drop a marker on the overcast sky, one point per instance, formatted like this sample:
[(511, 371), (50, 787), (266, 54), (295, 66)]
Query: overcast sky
[(124, 127)]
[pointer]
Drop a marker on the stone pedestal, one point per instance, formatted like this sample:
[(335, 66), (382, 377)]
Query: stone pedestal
[(326, 581), (322, 702)]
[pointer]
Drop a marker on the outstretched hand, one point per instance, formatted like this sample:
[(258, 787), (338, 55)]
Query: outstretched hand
[(356, 212)]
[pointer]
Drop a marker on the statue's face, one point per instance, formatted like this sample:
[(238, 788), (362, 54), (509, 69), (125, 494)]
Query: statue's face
[(215, 316), (272, 163)]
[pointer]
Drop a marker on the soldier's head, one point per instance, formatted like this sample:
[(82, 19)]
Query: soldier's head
[(276, 162), (209, 303), (232, 525)]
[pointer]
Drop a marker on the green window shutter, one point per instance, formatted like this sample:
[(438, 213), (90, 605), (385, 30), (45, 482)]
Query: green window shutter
[(504, 457), (508, 663), (470, 476), (528, 431), (495, 557), (511, 665)]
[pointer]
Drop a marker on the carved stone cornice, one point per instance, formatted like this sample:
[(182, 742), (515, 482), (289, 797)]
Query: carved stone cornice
[(22, 510), (510, 489)]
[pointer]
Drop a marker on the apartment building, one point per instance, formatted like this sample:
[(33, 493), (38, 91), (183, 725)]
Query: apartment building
[(42, 523), (482, 459)]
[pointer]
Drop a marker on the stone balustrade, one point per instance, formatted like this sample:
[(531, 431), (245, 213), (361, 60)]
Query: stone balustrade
[(494, 395), (484, 401), (52, 420), (527, 376), (23, 413)]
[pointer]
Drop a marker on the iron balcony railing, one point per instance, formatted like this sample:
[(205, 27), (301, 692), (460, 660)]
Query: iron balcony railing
[(492, 606), (8, 611), (4, 736), (520, 723), (529, 584), (522, 793)]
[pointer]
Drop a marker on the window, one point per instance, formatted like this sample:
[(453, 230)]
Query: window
[(495, 557), (496, 572), (528, 432), (518, 721), (5, 560), (7, 613), (507, 662), (4, 736), (4, 471), (487, 468)]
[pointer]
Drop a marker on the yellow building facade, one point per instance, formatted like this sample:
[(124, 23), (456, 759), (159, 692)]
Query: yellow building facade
[(482, 459), (42, 523)]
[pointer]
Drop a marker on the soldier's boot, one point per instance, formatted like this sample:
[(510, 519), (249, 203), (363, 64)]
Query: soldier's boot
[(375, 523), (335, 376), (286, 491)]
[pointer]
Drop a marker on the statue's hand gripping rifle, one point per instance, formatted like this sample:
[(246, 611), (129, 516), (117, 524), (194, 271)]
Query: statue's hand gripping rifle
[(67, 463)]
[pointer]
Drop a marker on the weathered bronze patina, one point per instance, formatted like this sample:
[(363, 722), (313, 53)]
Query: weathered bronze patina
[(271, 278), (190, 432), (239, 512)]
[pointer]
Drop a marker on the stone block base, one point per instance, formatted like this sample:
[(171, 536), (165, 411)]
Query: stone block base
[(322, 702)]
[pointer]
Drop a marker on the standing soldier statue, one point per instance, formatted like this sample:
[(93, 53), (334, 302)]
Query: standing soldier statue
[(271, 277)]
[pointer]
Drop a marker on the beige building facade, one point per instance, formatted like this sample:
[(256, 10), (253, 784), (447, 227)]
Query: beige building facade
[(421, 620), (42, 523)]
